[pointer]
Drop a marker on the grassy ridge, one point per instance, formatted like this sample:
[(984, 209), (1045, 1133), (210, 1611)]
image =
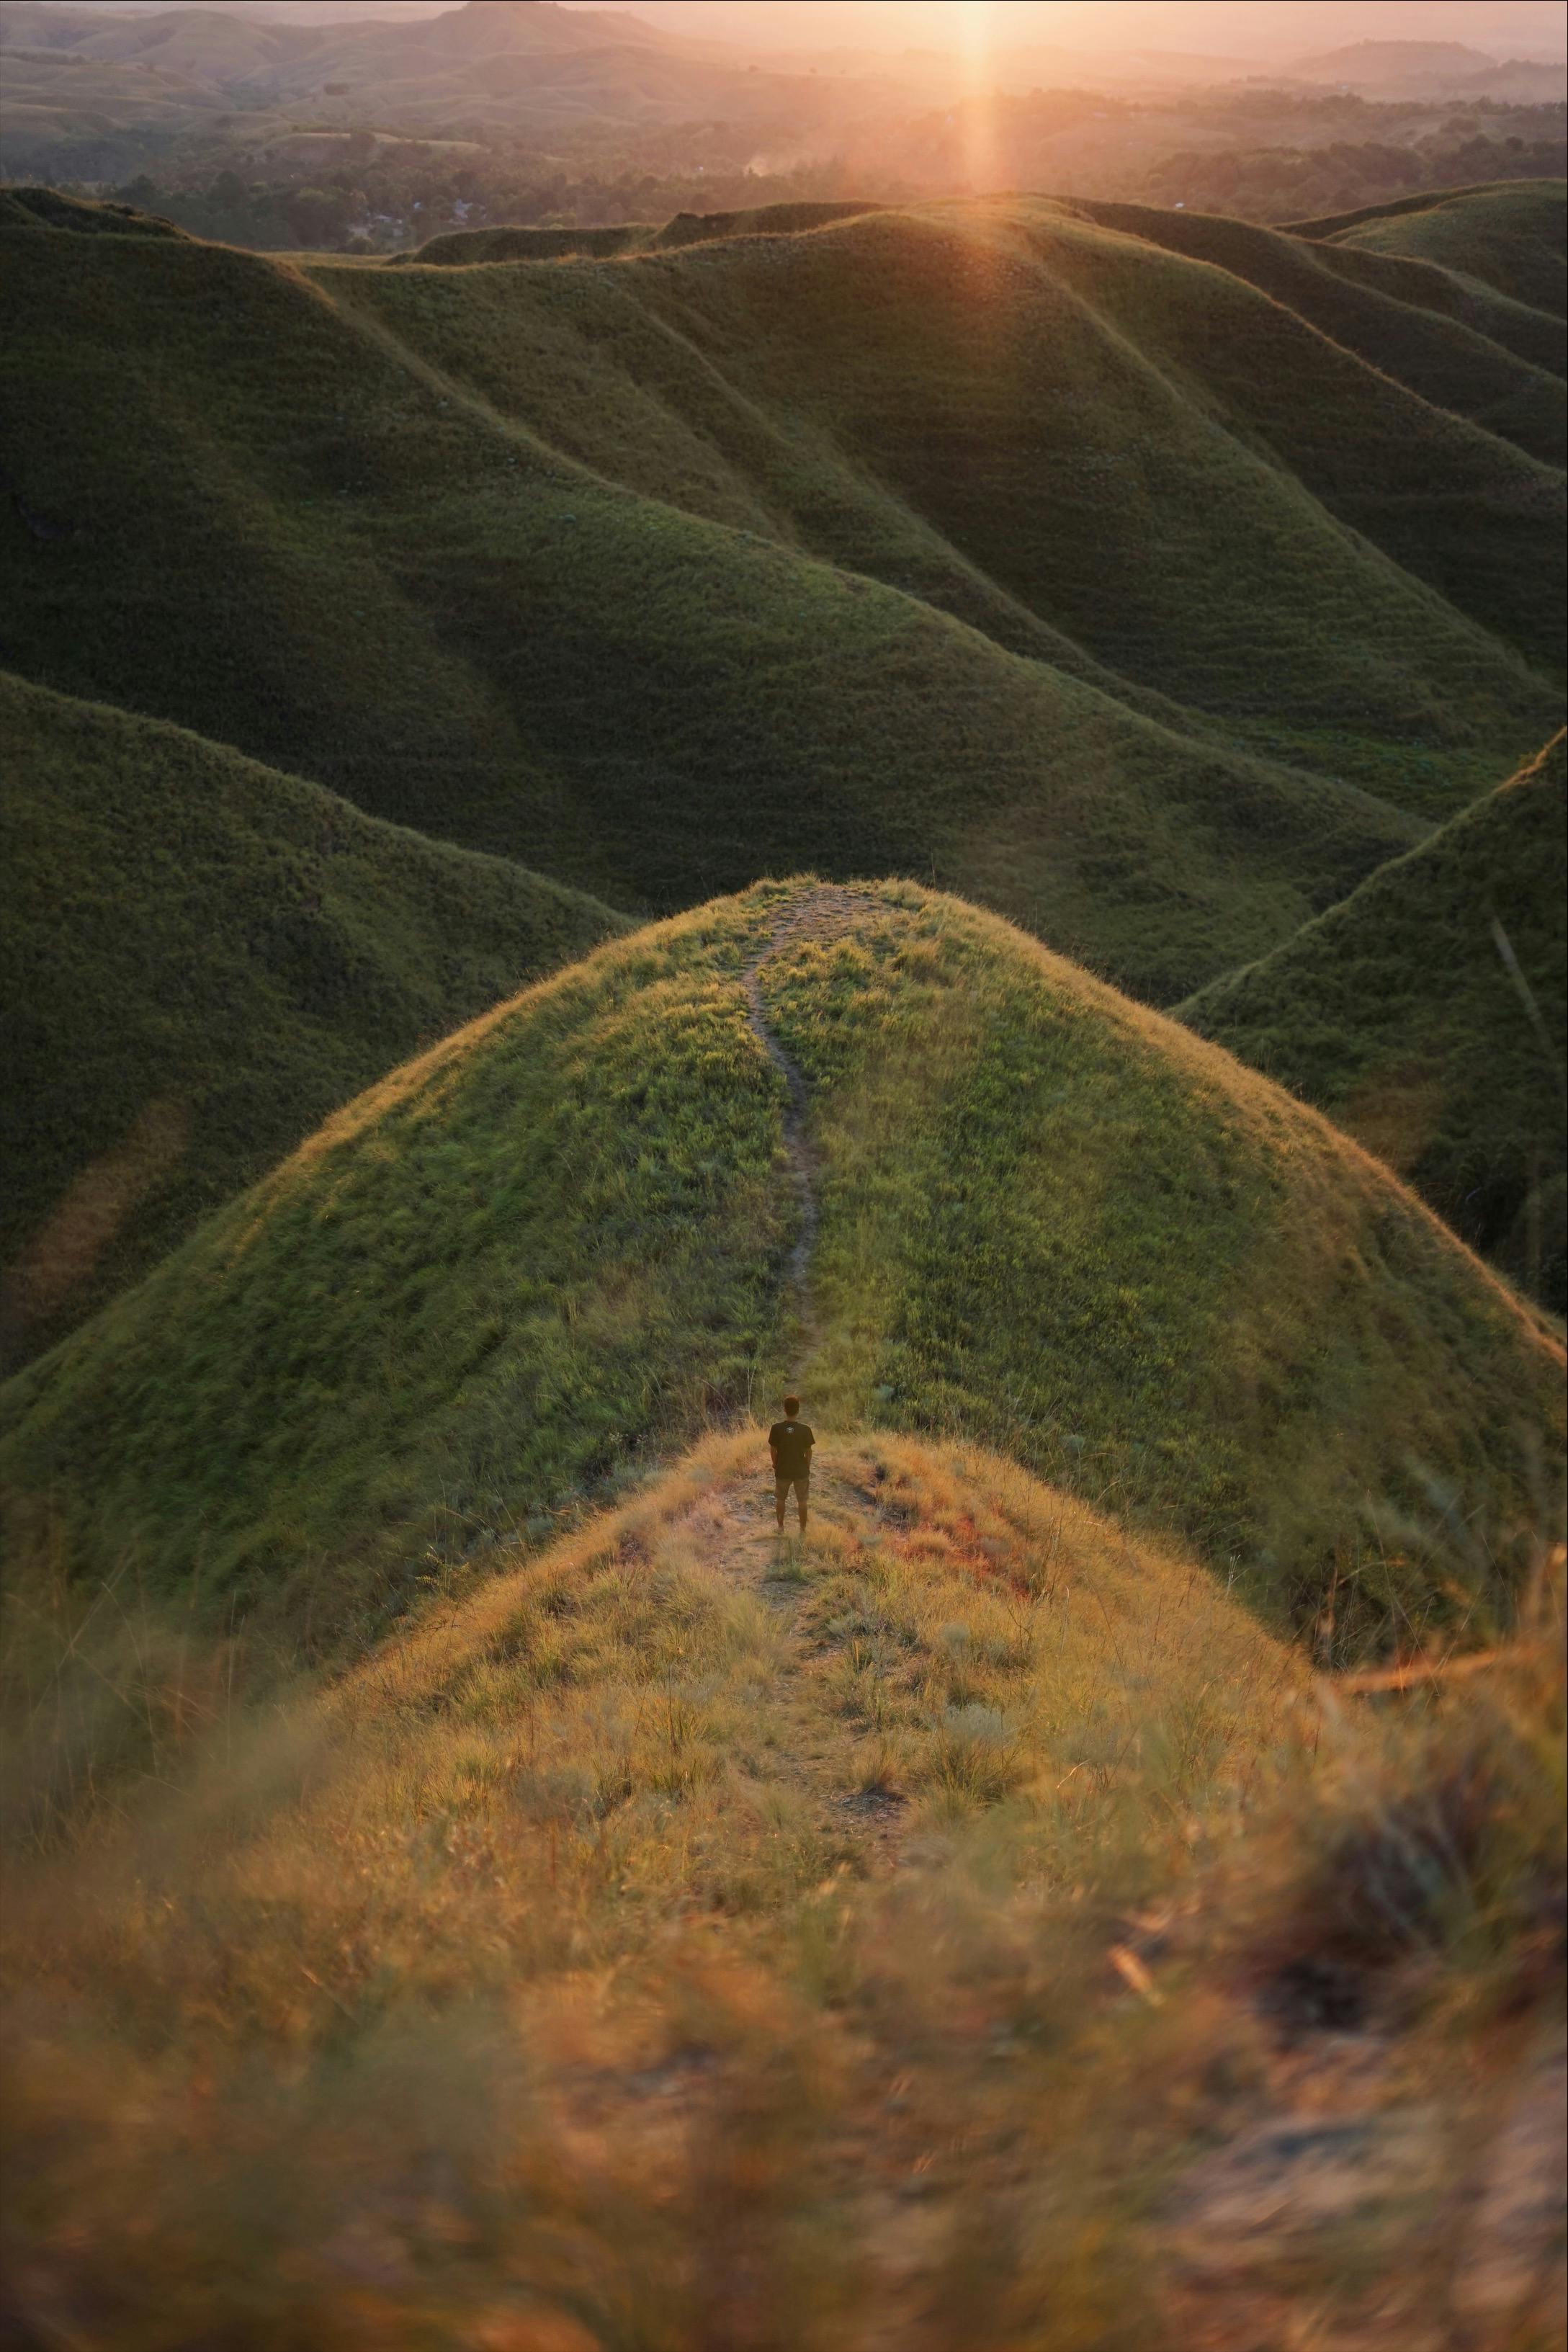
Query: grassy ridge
[(1145, 1274), (623, 1822), (923, 1935), (202, 959), (34, 208), (1509, 236), (656, 573), (1400, 1016), (485, 1285), (1034, 388), (1456, 363), (461, 248), (561, 1240)]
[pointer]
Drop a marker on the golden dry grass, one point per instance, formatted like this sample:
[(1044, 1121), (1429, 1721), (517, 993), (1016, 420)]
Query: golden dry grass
[(905, 1939)]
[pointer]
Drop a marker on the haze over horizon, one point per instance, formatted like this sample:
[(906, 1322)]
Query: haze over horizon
[(1229, 28), (1528, 29)]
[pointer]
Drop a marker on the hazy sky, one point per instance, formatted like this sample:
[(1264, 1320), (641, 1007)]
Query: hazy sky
[(1261, 28)]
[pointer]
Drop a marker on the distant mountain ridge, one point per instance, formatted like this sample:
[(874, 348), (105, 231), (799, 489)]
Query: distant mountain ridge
[(1416, 68)]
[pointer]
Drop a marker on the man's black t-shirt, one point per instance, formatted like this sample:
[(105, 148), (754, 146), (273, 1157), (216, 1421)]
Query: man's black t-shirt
[(791, 1442)]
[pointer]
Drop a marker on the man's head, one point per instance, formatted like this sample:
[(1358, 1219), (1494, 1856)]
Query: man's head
[(791, 1407)]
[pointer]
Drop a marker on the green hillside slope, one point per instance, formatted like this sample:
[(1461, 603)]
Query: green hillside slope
[(1035, 389), (1456, 363), (1031, 387), (461, 248), (41, 208), (1420, 1031), (1509, 236), (200, 959), (658, 572), (562, 1238), (1533, 336)]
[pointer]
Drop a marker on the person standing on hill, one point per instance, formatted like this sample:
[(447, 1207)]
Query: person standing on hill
[(789, 1442)]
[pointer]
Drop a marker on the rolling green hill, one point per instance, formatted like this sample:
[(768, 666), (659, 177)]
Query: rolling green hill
[(1533, 336), (201, 959), (1463, 364), (1015, 374), (461, 248), (1426, 1015), (38, 208), (1510, 236), (979, 541), (562, 1239)]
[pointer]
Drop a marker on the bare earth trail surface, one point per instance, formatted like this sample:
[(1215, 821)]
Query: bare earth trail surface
[(737, 1536), (823, 912)]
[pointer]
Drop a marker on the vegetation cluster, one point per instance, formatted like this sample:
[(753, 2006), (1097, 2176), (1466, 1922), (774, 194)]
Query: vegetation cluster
[(362, 192), (1283, 183)]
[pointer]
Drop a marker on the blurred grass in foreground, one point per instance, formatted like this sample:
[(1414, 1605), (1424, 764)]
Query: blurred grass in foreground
[(924, 1935)]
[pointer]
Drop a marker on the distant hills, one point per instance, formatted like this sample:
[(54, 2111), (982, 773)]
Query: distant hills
[(980, 539), (1426, 1016), (1419, 69), (80, 82), (201, 959), (99, 96)]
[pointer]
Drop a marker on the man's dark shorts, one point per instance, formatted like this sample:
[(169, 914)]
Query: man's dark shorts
[(802, 1483)]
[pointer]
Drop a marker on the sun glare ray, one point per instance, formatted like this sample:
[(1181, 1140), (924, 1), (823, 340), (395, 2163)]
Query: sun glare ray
[(976, 30)]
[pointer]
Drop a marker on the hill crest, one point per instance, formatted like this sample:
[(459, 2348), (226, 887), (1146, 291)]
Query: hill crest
[(200, 958), (1045, 1215), (1423, 1014)]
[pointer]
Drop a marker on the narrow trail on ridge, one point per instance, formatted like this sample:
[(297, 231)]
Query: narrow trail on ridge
[(736, 1540), (823, 911)]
